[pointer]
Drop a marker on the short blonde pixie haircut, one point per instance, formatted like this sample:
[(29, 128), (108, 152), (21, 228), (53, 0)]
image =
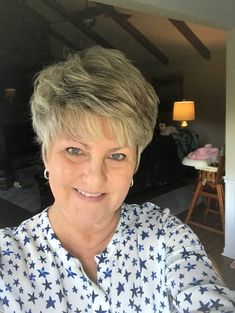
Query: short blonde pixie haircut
[(97, 82)]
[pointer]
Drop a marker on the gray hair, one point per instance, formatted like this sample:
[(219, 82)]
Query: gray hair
[(97, 82)]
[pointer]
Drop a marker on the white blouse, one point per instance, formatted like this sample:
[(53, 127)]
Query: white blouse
[(153, 263)]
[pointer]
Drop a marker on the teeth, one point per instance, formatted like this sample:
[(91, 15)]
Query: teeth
[(88, 194)]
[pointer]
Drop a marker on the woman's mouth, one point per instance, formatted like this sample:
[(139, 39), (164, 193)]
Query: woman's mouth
[(89, 194)]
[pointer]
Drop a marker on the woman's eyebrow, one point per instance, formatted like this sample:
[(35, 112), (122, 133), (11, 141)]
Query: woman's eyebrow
[(87, 146), (76, 141), (117, 148)]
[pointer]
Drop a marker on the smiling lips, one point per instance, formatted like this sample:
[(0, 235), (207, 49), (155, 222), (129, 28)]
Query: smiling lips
[(88, 194)]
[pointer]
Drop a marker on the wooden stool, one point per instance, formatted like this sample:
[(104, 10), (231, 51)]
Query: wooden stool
[(210, 186)]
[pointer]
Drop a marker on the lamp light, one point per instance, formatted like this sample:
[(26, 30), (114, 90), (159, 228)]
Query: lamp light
[(184, 111), (9, 94)]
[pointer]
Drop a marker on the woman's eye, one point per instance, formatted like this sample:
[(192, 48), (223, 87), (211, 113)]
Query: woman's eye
[(73, 150), (118, 156)]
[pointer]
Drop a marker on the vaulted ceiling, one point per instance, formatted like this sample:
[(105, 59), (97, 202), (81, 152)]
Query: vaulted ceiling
[(28, 27)]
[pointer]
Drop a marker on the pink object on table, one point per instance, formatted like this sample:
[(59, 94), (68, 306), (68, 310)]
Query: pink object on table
[(232, 265), (205, 153)]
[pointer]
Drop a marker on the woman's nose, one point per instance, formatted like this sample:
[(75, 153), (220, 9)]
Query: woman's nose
[(95, 172)]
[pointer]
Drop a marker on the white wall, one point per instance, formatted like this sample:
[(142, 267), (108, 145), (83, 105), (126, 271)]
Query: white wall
[(230, 106), (229, 249)]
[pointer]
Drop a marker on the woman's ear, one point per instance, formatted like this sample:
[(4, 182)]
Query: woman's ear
[(45, 164), (138, 155), (44, 157)]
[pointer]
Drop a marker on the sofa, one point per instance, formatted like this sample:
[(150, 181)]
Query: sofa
[(161, 160), (159, 164)]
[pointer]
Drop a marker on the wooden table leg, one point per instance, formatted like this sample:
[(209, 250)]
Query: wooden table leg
[(194, 201)]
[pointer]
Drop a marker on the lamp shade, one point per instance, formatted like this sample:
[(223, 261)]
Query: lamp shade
[(183, 111)]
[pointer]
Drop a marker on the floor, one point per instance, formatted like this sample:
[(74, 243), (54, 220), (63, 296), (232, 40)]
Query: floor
[(25, 190), (12, 214)]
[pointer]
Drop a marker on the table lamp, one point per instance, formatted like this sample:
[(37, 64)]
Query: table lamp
[(184, 111)]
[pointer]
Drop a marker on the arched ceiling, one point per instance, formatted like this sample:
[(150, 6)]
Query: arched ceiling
[(144, 30)]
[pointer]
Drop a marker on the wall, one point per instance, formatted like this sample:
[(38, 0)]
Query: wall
[(229, 249), (205, 83), (230, 114)]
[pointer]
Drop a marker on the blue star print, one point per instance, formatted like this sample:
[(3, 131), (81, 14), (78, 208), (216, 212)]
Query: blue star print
[(153, 263)]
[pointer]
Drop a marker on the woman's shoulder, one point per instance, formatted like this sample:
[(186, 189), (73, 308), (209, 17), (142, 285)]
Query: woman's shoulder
[(148, 213), (12, 237)]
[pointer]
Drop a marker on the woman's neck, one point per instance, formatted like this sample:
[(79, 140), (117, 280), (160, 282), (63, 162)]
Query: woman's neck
[(80, 240)]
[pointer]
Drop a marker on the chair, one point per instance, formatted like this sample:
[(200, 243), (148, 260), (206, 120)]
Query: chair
[(210, 186)]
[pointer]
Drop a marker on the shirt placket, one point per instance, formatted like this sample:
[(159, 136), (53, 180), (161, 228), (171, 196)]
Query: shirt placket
[(100, 290)]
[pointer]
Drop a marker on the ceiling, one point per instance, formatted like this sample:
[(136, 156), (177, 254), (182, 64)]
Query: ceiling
[(32, 30)]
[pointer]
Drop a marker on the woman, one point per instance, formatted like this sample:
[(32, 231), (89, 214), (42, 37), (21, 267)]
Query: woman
[(89, 252)]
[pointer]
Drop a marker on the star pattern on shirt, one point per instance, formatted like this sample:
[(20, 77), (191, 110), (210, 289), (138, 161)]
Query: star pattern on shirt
[(152, 263)]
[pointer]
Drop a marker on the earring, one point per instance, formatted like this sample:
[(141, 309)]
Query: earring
[(132, 182), (46, 174)]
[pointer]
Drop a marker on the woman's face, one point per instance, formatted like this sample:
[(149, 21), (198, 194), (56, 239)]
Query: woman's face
[(89, 179)]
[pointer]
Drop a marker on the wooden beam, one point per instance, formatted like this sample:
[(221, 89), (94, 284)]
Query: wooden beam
[(61, 38), (94, 11), (51, 31), (77, 23), (192, 38), (90, 12), (134, 32), (31, 46), (126, 25)]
